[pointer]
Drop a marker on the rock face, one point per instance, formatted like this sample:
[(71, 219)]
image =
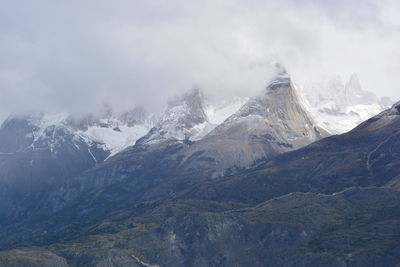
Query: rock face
[(114, 131), (267, 125)]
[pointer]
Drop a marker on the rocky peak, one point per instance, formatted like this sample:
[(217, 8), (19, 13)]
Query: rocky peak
[(182, 119), (281, 80), (278, 101), (355, 95), (190, 107), (110, 131), (267, 125), (353, 83), (35, 131), (339, 106)]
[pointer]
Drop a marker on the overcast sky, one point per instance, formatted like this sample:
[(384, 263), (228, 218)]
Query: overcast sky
[(75, 55)]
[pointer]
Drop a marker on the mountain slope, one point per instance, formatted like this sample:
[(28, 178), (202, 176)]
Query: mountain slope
[(356, 227), (254, 217), (294, 230), (289, 211), (366, 156)]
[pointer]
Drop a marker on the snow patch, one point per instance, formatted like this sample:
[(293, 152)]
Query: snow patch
[(114, 140), (218, 113)]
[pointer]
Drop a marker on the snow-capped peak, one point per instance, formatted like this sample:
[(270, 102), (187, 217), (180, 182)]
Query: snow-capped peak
[(217, 113), (271, 123), (181, 119), (191, 117), (338, 107), (111, 132), (276, 99), (115, 131)]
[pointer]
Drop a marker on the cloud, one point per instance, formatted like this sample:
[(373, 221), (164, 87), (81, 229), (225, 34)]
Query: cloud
[(76, 55)]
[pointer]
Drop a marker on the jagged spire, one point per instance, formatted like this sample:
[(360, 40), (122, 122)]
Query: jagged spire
[(280, 70), (280, 80), (190, 105), (182, 114), (354, 83)]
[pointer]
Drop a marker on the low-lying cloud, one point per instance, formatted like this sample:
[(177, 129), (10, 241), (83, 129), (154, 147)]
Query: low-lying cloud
[(76, 55)]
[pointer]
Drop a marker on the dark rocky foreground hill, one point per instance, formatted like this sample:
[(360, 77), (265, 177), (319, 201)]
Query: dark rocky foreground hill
[(333, 203), (356, 227)]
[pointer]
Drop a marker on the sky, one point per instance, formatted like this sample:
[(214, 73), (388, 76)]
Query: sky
[(77, 55)]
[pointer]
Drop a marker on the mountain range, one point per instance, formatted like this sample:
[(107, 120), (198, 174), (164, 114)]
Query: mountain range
[(251, 182)]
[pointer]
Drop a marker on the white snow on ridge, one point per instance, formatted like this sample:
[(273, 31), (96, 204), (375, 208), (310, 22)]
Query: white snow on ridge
[(365, 111), (190, 117), (114, 139), (112, 134), (333, 105), (50, 120), (338, 107), (218, 113)]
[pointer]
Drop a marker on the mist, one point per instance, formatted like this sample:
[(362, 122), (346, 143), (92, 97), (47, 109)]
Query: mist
[(75, 56)]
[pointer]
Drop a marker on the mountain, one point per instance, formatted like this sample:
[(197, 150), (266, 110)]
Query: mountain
[(365, 156), (338, 107), (162, 161), (327, 204), (37, 154), (110, 132), (267, 125), (114, 131), (190, 117), (40, 152), (184, 119)]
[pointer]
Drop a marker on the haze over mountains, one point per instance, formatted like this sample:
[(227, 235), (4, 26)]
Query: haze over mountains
[(244, 183), (334, 106), (338, 107)]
